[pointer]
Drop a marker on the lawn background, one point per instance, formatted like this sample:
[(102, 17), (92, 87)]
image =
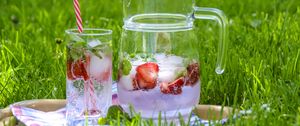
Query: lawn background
[(263, 63)]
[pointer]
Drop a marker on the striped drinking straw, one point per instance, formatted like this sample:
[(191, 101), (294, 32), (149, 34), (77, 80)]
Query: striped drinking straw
[(89, 93), (78, 15)]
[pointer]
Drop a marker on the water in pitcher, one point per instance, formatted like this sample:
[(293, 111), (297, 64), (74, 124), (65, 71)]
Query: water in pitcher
[(159, 79)]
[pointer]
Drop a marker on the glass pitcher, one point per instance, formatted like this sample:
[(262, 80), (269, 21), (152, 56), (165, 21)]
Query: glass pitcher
[(159, 67)]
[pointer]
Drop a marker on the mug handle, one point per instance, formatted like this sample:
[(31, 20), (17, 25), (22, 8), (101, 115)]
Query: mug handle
[(218, 16)]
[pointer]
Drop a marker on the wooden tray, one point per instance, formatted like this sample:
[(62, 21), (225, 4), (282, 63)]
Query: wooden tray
[(207, 112)]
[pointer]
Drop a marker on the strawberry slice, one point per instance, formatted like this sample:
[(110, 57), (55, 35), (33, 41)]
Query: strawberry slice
[(174, 88), (146, 75), (76, 70), (164, 88), (192, 74), (79, 70), (84, 73), (69, 70)]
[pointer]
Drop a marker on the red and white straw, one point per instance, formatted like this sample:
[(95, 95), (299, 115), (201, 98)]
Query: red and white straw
[(89, 90), (78, 15)]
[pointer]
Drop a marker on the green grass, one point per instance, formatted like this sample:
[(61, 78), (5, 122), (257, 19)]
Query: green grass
[(263, 60)]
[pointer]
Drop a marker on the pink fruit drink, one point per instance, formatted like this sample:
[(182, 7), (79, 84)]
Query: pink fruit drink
[(88, 86), (163, 83)]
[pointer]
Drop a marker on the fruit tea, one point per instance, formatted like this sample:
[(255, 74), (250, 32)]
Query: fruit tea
[(89, 80), (154, 83)]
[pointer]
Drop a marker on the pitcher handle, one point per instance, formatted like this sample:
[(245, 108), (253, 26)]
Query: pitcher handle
[(218, 16)]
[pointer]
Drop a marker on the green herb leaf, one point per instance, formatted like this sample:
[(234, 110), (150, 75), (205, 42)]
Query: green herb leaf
[(96, 53), (80, 44), (76, 53), (102, 121), (113, 111)]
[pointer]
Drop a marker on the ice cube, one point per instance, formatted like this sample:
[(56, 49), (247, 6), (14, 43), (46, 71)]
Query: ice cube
[(133, 71), (126, 82), (167, 76), (175, 60), (160, 57), (137, 62), (94, 42), (99, 66)]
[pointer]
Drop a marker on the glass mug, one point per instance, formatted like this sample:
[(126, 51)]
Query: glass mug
[(89, 75), (159, 70)]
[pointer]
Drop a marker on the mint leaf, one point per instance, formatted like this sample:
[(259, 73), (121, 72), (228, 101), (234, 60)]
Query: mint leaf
[(76, 49), (96, 53), (113, 111), (79, 44)]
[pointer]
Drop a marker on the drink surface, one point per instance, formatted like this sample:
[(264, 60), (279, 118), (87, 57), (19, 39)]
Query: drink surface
[(160, 83)]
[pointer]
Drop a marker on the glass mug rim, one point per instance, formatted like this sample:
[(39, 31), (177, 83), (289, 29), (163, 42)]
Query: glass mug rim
[(95, 32)]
